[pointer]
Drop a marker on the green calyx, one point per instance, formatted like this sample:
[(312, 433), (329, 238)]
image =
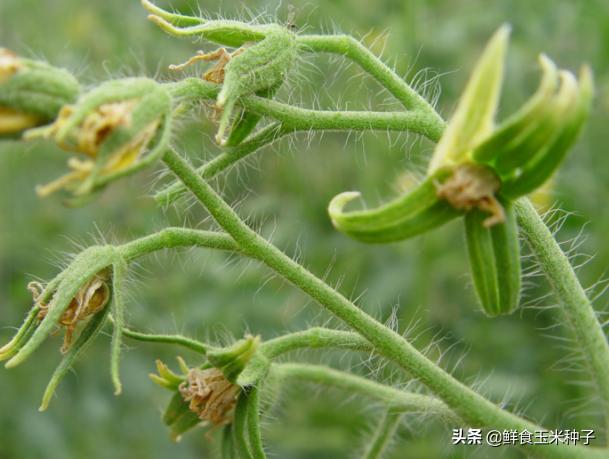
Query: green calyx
[(478, 169), (262, 66), (32, 92), (78, 299), (120, 127), (476, 164), (232, 360), (202, 395)]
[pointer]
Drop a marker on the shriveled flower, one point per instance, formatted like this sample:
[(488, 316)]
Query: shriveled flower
[(76, 295), (207, 394), (31, 92), (90, 299), (119, 128), (210, 395)]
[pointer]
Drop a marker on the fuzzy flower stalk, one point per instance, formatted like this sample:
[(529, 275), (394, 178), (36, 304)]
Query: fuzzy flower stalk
[(479, 168)]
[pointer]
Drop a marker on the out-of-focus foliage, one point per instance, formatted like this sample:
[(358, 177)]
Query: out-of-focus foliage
[(285, 190)]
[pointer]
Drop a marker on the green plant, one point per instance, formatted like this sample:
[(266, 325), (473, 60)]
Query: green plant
[(478, 170)]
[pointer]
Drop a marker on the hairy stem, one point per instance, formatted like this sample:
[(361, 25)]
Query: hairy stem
[(384, 433), (389, 396), (296, 118), (314, 338), (473, 408), (169, 238), (351, 48), (227, 158), (576, 306)]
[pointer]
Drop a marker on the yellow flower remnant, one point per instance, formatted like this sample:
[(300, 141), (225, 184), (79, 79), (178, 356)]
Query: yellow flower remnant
[(90, 299)]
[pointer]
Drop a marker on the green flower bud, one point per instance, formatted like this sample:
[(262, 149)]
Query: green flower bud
[(120, 127), (258, 68), (261, 66), (31, 92)]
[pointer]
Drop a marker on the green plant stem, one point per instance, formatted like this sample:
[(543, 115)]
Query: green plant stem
[(293, 119), (388, 396), (227, 158), (353, 49), (577, 308), (253, 423), (169, 238), (422, 122), (384, 433), (473, 408), (314, 338)]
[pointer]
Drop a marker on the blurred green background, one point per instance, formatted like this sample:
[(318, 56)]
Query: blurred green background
[(422, 284)]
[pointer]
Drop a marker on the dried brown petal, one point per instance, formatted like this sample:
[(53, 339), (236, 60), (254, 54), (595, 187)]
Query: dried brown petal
[(210, 395), (89, 300)]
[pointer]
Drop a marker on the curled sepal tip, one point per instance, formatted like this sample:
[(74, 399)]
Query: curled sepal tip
[(174, 18), (411, 214), (571, 108)]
